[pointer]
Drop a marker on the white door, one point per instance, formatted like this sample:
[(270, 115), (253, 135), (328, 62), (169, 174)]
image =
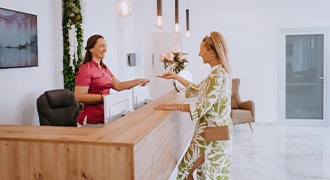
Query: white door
[(305, 90), (154, 45)]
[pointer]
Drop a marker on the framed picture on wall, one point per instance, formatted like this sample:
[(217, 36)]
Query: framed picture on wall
[(18, 39)]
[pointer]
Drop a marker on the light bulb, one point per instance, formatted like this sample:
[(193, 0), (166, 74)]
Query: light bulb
[(124, 9), (159, 22), (188, 34), (176, 27)]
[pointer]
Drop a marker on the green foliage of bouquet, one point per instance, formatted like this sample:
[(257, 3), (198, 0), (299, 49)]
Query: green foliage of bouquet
[(174, 60)]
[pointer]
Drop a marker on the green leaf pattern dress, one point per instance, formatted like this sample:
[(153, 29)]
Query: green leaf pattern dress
[(212, 109)]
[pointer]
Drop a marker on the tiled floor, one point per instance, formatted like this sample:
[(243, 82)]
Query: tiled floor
[(280, 153), (277, 152)]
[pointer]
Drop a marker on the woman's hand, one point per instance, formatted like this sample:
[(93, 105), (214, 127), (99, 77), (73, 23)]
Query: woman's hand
[(165, 107), (169, 107), (143, 81), (168, 75)]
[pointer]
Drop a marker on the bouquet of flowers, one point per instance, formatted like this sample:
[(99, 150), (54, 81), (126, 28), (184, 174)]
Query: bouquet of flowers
[(174, 60)]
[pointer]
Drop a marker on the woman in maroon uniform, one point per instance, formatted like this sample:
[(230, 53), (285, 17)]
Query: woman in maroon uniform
[(94, 80)]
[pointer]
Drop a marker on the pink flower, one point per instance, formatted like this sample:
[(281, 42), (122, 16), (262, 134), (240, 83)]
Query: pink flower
[(176, 49), (169, 56), (174, 60), (171, 65), (181, 56), (162, 57)]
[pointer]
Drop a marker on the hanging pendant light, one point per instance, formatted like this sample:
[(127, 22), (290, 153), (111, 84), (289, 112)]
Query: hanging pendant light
[(176, 26), (159, 20), (187, 24), (124, 8)]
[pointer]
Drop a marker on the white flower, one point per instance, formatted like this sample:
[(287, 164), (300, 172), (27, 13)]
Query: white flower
[(181, 56), (176, 49), (171, 65), (174, 60), (162, 57), (73, 43), (169, 56)]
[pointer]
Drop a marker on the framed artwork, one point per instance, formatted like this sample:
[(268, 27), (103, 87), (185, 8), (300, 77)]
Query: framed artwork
[(18, 39)]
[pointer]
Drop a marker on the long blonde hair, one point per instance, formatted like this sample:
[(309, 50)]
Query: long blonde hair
[(217, 43)]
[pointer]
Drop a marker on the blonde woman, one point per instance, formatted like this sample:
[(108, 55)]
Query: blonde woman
[(211, 110)]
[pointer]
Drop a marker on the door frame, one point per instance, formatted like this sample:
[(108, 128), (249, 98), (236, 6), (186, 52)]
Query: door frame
[(282, 74)]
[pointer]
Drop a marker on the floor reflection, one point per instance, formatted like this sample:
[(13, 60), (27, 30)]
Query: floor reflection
[(276, 152)]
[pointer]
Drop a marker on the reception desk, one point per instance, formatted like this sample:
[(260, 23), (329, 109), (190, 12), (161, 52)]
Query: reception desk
[(144, 144)]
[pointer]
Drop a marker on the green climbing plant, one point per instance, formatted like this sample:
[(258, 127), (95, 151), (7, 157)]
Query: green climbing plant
[(71, 20)]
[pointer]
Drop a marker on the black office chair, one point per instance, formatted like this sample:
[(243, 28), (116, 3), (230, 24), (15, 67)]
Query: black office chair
[(57, 108)]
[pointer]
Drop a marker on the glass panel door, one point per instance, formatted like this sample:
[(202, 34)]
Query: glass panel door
[(304, 77)]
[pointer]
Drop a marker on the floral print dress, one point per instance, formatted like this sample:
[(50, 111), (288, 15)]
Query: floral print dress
[(211, 109)]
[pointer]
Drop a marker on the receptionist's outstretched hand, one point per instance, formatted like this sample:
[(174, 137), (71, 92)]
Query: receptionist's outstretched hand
[(142, 81), (145, 82), (168, 75)]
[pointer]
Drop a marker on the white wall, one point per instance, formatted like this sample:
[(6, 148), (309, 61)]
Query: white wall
[(250, 27), (20, 87), (100, 17)]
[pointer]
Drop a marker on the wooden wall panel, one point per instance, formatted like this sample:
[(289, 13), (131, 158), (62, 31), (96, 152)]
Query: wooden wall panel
[(39, 160), (159, 152)]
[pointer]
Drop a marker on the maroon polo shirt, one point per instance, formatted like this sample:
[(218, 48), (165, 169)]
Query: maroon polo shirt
[(99, 81)]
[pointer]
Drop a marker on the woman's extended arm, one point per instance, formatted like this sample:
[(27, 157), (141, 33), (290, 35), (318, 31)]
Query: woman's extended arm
[(179, 107), (117, 85), (171, 75), (191, 89)]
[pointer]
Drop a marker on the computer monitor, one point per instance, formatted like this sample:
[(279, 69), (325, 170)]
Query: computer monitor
[(141, 96), (116, 105)]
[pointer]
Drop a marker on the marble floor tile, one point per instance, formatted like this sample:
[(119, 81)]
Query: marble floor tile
[(273, 152), (278, 152)]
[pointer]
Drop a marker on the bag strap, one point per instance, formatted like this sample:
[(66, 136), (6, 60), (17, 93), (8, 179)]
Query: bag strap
[(197, 163)]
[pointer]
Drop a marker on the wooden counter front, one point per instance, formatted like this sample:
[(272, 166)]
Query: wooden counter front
[(145, 144)]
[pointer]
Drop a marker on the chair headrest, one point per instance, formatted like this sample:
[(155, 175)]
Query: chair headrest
[(58, 97)]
